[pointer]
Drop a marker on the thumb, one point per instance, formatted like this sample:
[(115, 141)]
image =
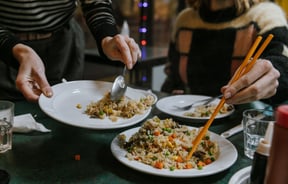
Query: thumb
[(44, 86)]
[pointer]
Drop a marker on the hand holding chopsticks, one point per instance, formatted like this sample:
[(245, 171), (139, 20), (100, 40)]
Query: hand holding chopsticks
[(245, 67)]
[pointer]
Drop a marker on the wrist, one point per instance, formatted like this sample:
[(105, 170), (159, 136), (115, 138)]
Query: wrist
[(105, 41), (20, 52)]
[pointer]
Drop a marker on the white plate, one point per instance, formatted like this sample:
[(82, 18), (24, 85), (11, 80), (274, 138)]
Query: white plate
[(167, 105), (227, 157), (241, 177), (62, 106)]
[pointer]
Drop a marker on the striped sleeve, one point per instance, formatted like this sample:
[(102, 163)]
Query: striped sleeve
[(7, 42), (30, 16), (100, 19), (49, 16)]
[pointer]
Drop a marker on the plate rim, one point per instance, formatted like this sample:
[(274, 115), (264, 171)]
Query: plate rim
[(197, 119), (114, 147), (243, 173), (45, 105)]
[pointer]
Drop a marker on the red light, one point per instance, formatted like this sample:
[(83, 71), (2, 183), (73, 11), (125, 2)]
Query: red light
[(144, 17), (143, 42)]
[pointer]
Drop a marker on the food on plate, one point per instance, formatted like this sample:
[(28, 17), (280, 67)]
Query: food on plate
[(78, 106), (207, 110), (124, 108), (165, 144)]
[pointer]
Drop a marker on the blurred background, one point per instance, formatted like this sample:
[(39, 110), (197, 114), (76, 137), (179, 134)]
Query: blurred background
[(150, 23), (159, 16)]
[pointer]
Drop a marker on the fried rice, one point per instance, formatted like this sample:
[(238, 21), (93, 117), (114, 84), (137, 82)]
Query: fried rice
[(164, 144), (124, 108), (207, 110)]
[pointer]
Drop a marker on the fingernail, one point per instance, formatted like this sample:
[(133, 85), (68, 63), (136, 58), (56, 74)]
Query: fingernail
[(48, 93), (130, 66)]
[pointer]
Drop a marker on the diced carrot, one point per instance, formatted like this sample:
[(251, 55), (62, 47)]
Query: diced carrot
[(188, 166), (201, 164), (179, 159), (156, 132), (137, 158), (207, 161), (171, 137), (159, 165)]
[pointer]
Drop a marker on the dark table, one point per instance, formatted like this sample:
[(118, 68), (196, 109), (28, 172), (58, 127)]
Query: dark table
[(50, 157)]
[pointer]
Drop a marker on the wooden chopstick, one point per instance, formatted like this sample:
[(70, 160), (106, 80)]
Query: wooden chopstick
[(258, 53), (246, 59), (243, 69)]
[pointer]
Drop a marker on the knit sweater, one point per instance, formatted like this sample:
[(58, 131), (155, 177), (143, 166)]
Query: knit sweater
[(207, 47), (37, 16)]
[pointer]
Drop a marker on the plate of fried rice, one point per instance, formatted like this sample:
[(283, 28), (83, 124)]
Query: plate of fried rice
[(87, 104), (161, 146), (198, 111)]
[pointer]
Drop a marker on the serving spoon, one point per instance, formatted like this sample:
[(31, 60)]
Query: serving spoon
[(119, 86)]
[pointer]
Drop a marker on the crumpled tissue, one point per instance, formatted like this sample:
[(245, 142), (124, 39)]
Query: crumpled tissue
[(25, 123)]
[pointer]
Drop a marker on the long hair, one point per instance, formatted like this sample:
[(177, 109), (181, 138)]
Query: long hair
[(241, 5)]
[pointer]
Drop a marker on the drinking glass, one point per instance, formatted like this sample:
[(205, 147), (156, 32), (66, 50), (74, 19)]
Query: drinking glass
[(6, 124), (255, 123)]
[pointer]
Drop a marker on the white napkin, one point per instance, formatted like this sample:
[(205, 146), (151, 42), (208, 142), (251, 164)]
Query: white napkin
[(26, 123)]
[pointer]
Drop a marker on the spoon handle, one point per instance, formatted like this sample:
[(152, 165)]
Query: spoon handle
[(124, 70), (232, 131)]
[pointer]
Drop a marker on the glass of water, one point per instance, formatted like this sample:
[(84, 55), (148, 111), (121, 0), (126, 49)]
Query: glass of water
[(255, 123), (6, 124)]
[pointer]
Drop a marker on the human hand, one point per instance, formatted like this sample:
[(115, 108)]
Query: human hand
[(260, 82), (31, 79), (122, 48)]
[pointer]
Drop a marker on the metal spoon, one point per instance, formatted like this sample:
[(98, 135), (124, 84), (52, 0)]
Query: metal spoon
[(119, 86)]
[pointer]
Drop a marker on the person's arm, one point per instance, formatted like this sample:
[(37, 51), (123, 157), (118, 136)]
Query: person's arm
[(100, 19), (277, 53), (7, 42), (101, 22), (31, 79), (263, 81)]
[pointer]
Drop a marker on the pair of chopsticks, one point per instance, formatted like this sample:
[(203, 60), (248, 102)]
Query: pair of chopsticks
[(245, 67)]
